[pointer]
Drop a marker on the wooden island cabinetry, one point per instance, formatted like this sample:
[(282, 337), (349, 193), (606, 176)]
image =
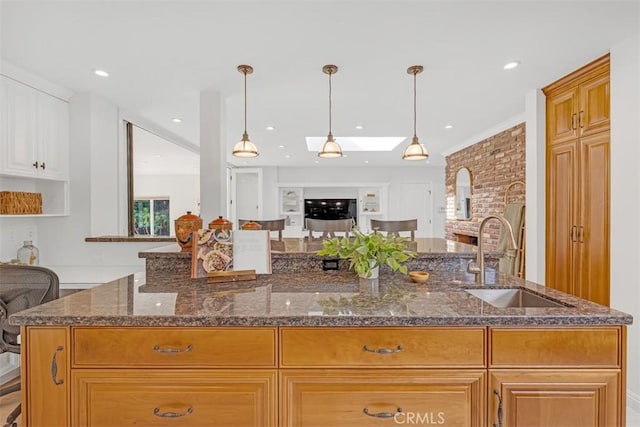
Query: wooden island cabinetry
[(312, 376)]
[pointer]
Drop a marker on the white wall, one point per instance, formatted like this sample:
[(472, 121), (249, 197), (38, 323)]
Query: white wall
[(394, 176), (625, 198)]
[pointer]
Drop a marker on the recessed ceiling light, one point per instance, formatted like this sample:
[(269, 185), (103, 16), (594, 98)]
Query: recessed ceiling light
[(101, 73), (359, 127), (287, 156), (317, 161), (281, 146), (270, 128), (427, 161), (366, 161), (176, 120), (511, 65), (158, 156), (448, 127)]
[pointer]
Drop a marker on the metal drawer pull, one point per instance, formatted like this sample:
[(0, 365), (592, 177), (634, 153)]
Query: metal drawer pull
[(172, 350), (398, 349), (157, 413), (382, 414), (499, 409), (54, 367)]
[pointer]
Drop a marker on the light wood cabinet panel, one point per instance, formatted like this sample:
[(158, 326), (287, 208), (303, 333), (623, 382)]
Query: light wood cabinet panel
[(594, 219), (578, 183), (555, 398), (45, 380), (382, 347), (562, 206), (188, 347), (359, 397), (593, 113), (562, 118), (174, 397), (567, 347)]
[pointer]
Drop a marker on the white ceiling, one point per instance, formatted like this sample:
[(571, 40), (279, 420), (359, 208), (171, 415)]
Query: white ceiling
[(161, 54)]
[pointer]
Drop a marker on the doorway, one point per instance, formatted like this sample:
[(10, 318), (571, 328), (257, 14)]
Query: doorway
[(246, 194)]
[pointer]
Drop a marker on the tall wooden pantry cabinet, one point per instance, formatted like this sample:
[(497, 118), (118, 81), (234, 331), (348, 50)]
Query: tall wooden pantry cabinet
[(578, 183)]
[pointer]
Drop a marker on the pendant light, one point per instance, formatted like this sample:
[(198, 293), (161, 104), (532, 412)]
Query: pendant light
[(415, 150), (330, 149), (245, 148)]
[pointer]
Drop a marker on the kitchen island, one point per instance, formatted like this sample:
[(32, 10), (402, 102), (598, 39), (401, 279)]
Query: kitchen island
[(321, 348)]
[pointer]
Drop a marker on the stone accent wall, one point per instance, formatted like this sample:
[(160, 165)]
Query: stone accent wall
[(494, 163)]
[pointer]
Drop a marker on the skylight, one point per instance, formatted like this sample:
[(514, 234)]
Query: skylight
[(357, 143)]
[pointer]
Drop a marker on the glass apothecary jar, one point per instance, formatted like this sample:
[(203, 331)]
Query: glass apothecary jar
[(29, 254)]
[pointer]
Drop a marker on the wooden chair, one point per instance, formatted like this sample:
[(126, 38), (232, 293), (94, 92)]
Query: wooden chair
[(271, 225), (328, 228), (396, 227)]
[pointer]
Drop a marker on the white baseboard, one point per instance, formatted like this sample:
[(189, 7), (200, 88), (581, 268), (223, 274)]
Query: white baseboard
[(633, 400)]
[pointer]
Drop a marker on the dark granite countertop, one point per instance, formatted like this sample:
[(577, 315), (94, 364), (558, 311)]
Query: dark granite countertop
[(312, 298)]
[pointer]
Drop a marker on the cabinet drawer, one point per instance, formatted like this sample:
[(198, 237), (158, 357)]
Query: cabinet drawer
[(382, 347), (174, 347), (360, 397), (173, 397), (567, 347)]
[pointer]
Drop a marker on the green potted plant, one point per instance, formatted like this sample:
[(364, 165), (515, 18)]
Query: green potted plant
[(367, 252)]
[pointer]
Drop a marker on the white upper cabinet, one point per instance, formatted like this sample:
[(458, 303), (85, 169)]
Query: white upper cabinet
[(34, 139)]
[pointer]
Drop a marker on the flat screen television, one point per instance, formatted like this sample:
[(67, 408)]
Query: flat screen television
[(331, 209)]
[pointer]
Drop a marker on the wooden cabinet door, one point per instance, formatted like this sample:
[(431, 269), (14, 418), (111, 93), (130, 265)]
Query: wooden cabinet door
[(45, 381), (174, 397), (562, 117), (593, 114), (562, 204), (554, 398), (359, 397), (594, 218)]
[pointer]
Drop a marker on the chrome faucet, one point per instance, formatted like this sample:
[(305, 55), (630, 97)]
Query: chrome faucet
[(477, 267)]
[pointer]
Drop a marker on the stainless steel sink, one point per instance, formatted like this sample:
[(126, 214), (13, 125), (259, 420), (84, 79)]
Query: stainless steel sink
[(509, 298)]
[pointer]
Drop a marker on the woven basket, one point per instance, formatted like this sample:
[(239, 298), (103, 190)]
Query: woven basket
[(20, 203)]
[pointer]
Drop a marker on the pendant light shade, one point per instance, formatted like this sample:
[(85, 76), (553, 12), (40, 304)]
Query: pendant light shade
[(245, 148), (330, 149), (415, 150)]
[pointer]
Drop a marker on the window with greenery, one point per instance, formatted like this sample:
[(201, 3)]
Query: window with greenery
[(151, 217)]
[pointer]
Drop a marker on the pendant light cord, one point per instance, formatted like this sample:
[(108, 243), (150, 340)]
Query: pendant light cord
[(414, 105), (330, 103), (245, 100)]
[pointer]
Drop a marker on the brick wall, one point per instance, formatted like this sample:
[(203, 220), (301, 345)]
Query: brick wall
[(494, 163)]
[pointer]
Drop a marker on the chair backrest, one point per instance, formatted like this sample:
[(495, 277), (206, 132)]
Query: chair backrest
[(395, 227), (22, 287), (328, 227), (271, 225)]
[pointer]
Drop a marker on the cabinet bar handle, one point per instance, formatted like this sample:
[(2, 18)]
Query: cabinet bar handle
[(581, 234), (572, 234), (573, 121), (398, 349), (157, 413), (43, 166), (35, 165), (499, 409), (54, 367), (381, 414), (172, 350), (580, 118)]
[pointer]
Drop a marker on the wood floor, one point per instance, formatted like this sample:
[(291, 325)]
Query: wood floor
[(8, 403)]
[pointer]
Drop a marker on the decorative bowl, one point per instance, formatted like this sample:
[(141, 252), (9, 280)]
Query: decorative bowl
[(419, 276)]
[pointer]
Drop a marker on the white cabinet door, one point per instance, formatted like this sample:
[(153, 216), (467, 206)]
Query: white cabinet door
[(53, 138), (19, 129), (35, 126)]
